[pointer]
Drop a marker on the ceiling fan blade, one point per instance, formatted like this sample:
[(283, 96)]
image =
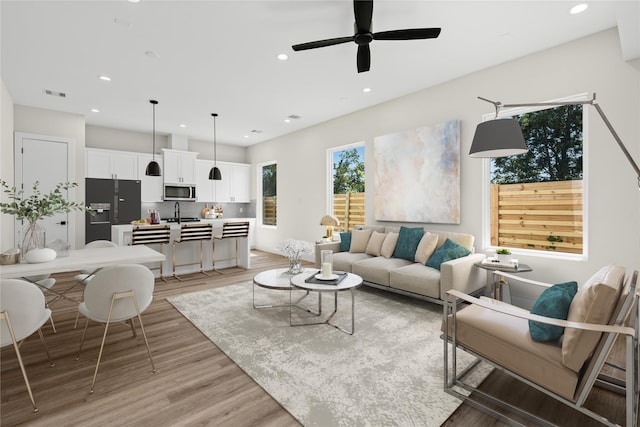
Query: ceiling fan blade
[(321, 43), (363, 11), (410, 34), (364, 58)]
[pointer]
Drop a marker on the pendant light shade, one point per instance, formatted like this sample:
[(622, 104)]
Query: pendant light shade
[(214, 173), (153, 168), (498, 138)]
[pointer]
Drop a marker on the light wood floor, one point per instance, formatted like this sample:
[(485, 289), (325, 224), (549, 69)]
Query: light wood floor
[(195, 384)]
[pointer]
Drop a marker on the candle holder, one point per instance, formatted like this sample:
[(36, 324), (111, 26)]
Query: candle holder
[(326, 263)]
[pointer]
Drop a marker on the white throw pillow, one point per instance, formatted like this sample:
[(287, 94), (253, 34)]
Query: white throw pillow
[(426, 247), (375, 243), (359, 240), (389, 245)]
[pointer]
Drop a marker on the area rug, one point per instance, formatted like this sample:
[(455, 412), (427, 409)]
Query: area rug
[(389, 373)]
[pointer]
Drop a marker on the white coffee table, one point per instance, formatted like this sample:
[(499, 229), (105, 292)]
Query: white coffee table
[(349, 283), (278, 279)]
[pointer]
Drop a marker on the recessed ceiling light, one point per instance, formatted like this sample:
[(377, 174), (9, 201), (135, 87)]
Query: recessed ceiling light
[(95, 110), (133, 1), (246, 136), (105, 78), (287, 120), (182, 125), (282, 56), (579, 8), (366, 90)]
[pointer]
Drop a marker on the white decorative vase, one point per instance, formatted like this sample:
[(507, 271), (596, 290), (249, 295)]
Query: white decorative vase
[(33, 237)]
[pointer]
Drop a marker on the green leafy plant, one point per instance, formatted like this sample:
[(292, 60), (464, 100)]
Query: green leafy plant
[(503, 251), (39, 204)]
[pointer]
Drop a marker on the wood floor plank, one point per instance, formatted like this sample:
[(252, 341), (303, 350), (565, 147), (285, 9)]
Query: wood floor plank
[(195, 382)]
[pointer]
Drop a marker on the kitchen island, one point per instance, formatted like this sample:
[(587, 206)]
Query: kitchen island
[(189, 252)]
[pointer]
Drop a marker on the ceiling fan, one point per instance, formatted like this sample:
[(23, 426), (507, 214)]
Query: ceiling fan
[(363, 11)]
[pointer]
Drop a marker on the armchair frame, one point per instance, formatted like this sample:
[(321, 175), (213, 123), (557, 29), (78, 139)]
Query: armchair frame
[(454, 380)]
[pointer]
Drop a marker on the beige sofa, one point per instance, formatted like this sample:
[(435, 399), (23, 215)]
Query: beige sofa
[(410, 277)]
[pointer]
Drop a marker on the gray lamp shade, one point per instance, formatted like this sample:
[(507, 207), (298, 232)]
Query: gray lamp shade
[(498, 138), (215, 174), (153, 169)]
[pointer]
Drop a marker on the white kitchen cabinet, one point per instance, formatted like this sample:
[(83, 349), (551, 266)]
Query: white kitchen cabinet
[(235, 186), (204, 185), (110, 164), (150, 186), (179, 167)]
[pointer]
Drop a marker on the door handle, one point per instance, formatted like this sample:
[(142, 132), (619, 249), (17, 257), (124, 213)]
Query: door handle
[(62, 223)]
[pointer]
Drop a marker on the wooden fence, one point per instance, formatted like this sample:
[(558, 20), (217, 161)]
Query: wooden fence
[(349, 209), (270, 210), (544, 216)]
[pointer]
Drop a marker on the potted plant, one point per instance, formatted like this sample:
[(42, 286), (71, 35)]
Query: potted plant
[(34, 207), (503, 255)]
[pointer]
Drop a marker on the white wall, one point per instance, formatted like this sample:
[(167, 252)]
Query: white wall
[(6, 163), (591, 64)]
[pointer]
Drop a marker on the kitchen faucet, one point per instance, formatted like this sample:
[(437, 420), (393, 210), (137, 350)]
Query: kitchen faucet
[(176, 211)]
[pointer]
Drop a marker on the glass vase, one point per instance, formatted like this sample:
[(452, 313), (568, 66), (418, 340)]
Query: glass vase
[(295, 265), (33, 237)]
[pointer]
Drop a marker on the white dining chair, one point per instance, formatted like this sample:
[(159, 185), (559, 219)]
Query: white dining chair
[(117, 294), (22, 313)]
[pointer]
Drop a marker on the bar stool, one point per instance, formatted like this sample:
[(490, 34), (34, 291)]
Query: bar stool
[(152, 235), (189, 233), (231, 230)]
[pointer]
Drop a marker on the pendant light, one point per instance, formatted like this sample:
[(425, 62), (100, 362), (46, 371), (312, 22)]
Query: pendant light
[(214, 173), (153, 168)]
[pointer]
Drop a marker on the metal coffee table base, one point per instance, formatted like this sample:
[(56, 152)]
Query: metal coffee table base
[(327, 321), (279, 280), (291, 303)]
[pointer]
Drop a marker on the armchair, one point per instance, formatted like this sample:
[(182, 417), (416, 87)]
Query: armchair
[(498, 333)]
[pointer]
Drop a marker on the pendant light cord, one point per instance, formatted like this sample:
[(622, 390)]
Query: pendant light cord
[(153, 153), (215, 150)]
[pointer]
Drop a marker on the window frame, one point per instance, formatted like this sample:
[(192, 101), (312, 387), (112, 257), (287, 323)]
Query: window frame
[(330, 152), (260, 194), (486, 183)]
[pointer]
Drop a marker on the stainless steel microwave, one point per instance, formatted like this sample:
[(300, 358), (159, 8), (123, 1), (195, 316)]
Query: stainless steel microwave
[(180, 192)]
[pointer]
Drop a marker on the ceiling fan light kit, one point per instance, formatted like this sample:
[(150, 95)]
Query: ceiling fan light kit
[(153, 168), (363, 12)]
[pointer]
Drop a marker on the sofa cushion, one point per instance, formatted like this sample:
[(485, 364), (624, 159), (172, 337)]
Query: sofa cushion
[(342, 261), (416, 278), (375, 243), (462, 239), (426, 247), (359, 240), (594, 303), (506, 340), (389, 245), (553, 302), (345, 241), (376, 270), (450, 250), (408, 240)]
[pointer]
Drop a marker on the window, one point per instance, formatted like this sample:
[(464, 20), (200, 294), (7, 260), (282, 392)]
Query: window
[(536, 198), (269, 191), (347, 185)]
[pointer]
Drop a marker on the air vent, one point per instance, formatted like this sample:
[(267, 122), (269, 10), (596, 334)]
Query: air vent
[(256, 131), (294, 117), (54, 93)]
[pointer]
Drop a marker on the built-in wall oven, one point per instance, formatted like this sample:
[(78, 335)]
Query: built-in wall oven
[(180, 192)]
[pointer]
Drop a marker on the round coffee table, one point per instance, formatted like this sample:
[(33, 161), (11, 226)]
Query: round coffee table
[(349, 283), (278, 279)]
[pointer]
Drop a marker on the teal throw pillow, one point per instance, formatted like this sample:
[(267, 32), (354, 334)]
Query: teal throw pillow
[(553, 302), (408, 241), (345, 241), (448, 251)]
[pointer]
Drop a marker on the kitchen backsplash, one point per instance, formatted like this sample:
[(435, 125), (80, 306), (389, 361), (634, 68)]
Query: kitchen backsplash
[(194, 209)]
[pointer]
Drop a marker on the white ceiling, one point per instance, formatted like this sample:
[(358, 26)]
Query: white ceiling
[(220, 56)]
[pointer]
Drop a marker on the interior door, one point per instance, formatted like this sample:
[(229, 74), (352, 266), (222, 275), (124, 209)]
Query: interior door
[(46, 160)]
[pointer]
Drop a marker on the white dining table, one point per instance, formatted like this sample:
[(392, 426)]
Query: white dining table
[(84, 259)]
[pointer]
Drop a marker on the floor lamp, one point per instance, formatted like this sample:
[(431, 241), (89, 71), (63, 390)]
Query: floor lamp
[(503, 137)]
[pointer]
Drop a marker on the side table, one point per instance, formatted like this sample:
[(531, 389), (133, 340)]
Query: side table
[(494, 286), (278, 279)]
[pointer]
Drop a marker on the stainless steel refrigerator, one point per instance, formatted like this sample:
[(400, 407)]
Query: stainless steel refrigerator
[(110, 202)]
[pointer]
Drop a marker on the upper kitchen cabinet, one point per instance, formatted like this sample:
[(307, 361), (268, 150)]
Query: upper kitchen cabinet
[(110, 164), (204, 185), (150, 186), (179, 167), (235, 184)]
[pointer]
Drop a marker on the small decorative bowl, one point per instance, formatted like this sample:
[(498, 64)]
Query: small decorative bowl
[(9, 258)]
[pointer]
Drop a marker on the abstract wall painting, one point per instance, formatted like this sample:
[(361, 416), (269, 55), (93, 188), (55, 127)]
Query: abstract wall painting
[(417, 175)]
